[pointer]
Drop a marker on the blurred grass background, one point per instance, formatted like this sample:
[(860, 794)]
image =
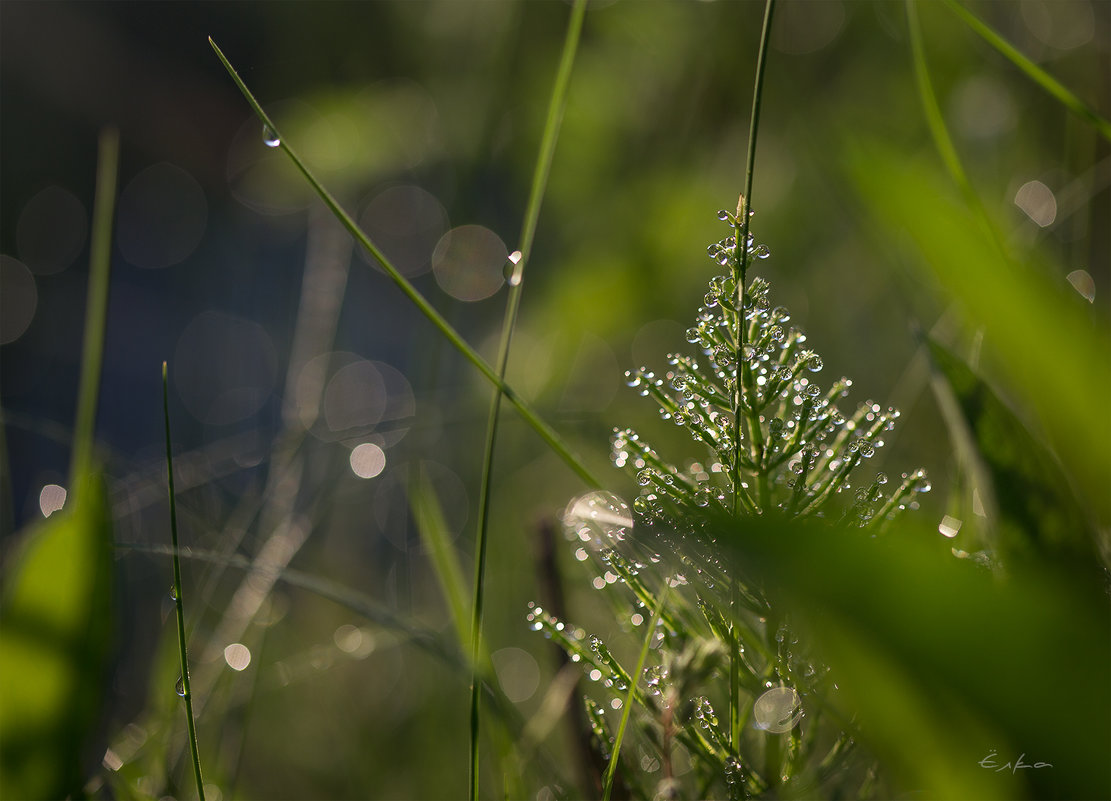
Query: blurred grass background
[(287, 351)]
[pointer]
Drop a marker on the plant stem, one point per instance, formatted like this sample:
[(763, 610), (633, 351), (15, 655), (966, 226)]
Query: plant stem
[(186, 691), (740, 275), (546, 433), (96, 307), (513, 302), (611, 770)]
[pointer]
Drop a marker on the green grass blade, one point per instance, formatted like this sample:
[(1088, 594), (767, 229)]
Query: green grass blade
[(434, 534), (527, 413), (528, 230), (1033, 71), (185, 690), (630, 697), (96, 307)]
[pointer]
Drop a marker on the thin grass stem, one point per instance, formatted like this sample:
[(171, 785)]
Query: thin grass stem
[(553, 440), (740, 409), (185, 689), (96, 307), (1033, 71), (630, 697), (516, 275)]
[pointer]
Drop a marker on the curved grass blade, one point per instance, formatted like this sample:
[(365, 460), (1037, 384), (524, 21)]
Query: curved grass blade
[(1033, 71), (429, 516), (513, 302), (554, 441), (96, 307), (185, 690), (630, 697)]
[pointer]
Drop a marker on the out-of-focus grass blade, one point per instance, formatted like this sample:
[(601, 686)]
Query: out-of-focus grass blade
[(1038, 513), (96, 304), (55, 635), (1033, 71), (437, 541), (944, 664), (1053, 358)]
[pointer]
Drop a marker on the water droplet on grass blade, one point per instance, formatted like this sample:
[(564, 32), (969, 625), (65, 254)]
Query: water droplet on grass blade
[(513, 269), (270, 137), (179, 688), (778, 710)]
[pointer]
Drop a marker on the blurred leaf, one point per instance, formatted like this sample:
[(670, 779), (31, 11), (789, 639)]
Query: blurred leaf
[(437, 541), (941, 662), (1036, 511), (55, 628), (1046, 346)]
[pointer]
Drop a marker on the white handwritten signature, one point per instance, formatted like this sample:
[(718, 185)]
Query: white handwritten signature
[(989, 763)]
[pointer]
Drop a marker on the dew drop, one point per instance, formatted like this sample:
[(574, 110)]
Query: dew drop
[(179, 688), (270, 137), (778, 710), (814, 364), (173, 592), (513, 269)]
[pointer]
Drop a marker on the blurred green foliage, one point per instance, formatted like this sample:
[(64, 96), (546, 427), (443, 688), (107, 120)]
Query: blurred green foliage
[(56, 639), (942, 661)]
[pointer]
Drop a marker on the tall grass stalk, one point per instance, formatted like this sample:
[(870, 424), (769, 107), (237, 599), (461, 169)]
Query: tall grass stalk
[(1042, 78), (513, 301), (742, 374), (96, 307), (553, 440), (185, 690)]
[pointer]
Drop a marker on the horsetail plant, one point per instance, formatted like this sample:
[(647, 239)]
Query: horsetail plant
[(797, 456)]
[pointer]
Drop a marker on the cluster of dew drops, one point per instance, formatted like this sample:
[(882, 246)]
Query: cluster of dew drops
[(801, 427)]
